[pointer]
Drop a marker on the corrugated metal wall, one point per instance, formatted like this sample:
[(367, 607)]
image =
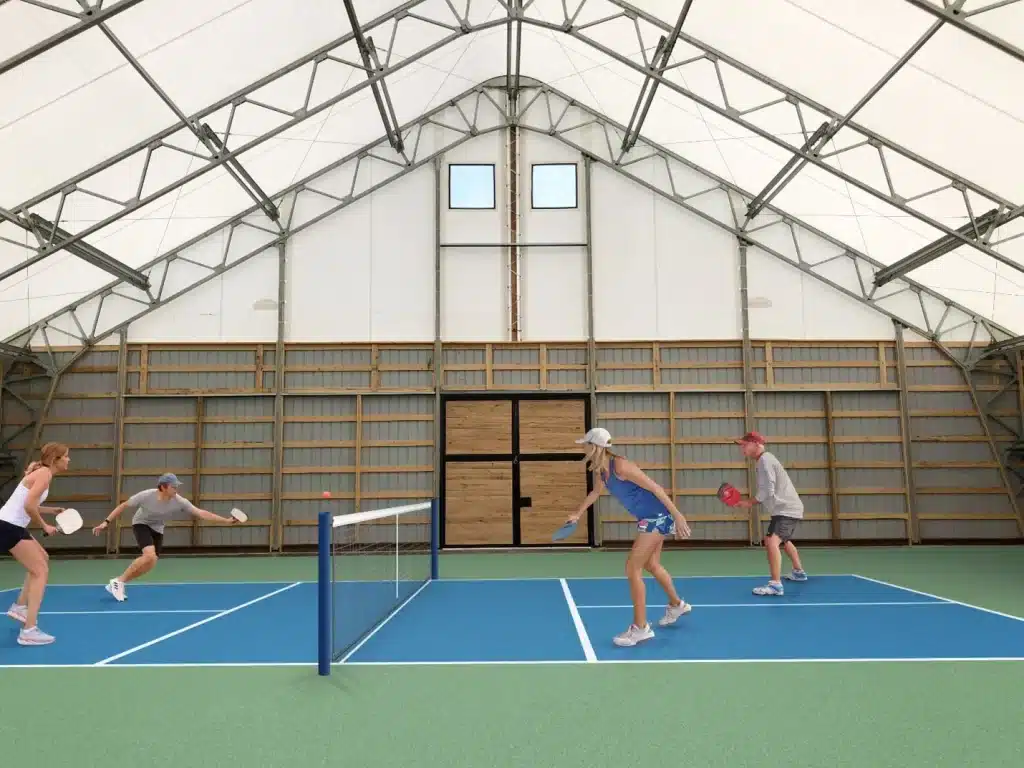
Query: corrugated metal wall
[(358, 421)]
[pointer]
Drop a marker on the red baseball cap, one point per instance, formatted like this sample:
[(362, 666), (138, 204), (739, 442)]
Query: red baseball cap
[(752, 437)]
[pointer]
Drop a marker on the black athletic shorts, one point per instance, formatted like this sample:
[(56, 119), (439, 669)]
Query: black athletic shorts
[(147, 537), (783, 527), (11, 535)]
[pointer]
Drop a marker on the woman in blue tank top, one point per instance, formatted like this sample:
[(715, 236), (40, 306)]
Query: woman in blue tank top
[(657, 517)]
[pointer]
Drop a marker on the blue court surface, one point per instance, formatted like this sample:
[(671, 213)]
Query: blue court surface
[(829, 618)]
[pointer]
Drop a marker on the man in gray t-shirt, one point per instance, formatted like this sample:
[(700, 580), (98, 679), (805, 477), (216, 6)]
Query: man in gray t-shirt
[(154, 508), (776, 493)]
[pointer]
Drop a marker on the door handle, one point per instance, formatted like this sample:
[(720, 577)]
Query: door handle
[(525, 501)]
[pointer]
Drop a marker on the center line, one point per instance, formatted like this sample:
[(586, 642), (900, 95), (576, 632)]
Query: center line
[(581, 631)]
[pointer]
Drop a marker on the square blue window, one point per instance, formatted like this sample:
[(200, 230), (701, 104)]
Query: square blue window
[(554, 185), (471, 186)]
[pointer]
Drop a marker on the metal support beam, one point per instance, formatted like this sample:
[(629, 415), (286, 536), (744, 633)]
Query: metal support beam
[(372, 65), (52, 238), (117, 451), (588, 227), (907, 434), (952, 14), (979, 229), (658, 63), (238, 172), (87, 19), (983, 418), (929, 313), (141, 154), (779, 180), (833, 473), (416, 12), (513, 50), (753, 519), (436, 361), (204, 133), (818, 140), (276, 534), (19, 353), (876, 181)]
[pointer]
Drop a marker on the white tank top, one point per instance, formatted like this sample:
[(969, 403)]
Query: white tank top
[(13, 511)]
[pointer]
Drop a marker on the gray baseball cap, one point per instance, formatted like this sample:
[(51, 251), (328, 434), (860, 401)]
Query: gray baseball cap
[(169, 479)]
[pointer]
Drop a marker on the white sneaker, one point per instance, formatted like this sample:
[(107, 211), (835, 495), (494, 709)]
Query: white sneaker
[(673, 612), (116, 588), (34, 636), (634, 635), (18, 612)]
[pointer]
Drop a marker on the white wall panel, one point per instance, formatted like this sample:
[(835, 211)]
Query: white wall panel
[(225, 309), (367, 272), (660, 272), (792, 305), (474, 281), (625, 265), (474, 295), (554, 280), (554, 294)]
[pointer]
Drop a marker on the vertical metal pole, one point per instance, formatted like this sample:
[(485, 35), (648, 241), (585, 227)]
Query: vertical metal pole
[(753, 521), (276, 511), (833, 479), (438, 350), (197, 468), (324, 592), (588, 225), (113, 531), (435, 539), (914, 528), (514, 252)]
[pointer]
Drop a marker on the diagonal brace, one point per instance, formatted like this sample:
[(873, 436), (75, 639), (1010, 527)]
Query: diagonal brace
[(978, 229), (233, 165), (821, 137), (52, 238), (210, 138), (659, 62), (371, 63)]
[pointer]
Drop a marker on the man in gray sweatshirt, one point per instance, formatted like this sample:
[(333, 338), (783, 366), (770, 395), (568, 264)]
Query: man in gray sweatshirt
[(775, 492)]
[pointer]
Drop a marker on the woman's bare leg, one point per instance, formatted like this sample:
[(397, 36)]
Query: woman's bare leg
[(37, 562)]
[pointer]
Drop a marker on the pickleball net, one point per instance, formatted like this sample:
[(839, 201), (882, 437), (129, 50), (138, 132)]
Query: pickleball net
[(371, 563)]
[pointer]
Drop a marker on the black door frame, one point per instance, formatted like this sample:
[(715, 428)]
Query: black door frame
[(515, 398)]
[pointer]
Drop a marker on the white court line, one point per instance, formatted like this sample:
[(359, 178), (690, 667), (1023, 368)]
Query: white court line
[(516, 663), (938, 597), (380, 626), (177, 632), (124, 613), (581, 631), (777, 604)]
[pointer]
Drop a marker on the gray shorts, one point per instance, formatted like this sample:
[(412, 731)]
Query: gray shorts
[(783, 527)]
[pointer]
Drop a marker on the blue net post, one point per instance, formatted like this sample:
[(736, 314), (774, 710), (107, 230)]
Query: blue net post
[(324, 531), (435, 538)]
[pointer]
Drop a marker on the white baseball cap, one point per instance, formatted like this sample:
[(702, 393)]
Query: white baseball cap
[(598, 436)]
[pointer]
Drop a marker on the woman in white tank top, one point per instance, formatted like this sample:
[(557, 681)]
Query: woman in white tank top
[(22, 508)]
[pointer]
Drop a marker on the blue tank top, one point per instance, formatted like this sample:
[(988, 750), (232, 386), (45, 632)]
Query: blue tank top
[(639, 502)]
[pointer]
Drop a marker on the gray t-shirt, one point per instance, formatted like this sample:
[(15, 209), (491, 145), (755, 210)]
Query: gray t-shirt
[(775, 490), (154, 512)]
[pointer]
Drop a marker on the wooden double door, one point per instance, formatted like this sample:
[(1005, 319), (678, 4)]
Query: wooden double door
[(512, 472)]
